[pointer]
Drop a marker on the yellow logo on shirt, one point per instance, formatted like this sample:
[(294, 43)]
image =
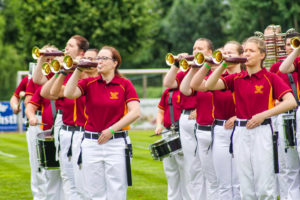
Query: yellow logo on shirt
[(114, 95), (258, 89)]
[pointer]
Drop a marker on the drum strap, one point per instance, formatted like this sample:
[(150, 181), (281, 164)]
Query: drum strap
[(53, 109), (293, 85), (69, 154), (79, 161), (174, 125), (128, 155), (275, 149)]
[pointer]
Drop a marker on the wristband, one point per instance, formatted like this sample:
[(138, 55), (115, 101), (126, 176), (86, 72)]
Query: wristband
[(206, 65), (111, 130), (63, 72), (176, 63), (56, 75), (224, 64), (79, 69)]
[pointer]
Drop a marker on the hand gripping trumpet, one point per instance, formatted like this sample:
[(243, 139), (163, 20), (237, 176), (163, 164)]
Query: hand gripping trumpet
[(218, 58), (295, 42), (36, 52), (171, 59)]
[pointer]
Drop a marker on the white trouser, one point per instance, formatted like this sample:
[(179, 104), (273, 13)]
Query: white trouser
[(78, 172), (37, 178), (253, 151), (194, 179), (173, 167), (205, 154), (66, 166), (104, 169), (229, 187)]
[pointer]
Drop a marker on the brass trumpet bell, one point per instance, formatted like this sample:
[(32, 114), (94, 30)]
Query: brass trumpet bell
[(170, 59), (199, 59), (217, 57), (46, 69), (184, 65), (295, 42), (68, 62), (55, 66), (35, 52)]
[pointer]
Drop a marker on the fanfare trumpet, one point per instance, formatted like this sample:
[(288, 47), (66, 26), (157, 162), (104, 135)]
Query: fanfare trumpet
[(295, 42), (198, 61), (46, 69), (218, 58), (171, 59), (36, 52), (69, 63)]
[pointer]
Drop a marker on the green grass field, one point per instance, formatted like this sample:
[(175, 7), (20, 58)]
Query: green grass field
[(149, 182)]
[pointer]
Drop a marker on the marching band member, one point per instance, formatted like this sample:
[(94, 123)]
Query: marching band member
[(254, 92), (173, 165), (111, 105), (195, 186), (203, 134), (75, 47), (224, 114), (70, 136), (15, 99), (291, 157)]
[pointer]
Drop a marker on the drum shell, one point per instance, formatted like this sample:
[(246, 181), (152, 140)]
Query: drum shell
[(46, 151)]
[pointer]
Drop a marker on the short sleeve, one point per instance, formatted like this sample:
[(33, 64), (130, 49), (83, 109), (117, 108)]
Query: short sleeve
[(130, 93), (229, 81), (280, 87), (82, 84), (21, 87), (162, 101), (36, 99), (30, 88)]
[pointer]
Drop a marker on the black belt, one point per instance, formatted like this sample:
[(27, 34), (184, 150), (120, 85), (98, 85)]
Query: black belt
[(72, 128), (243, 123), (203, 127), (290, 111), (59, 111), (95, 135), (187, 112), (219, 122)]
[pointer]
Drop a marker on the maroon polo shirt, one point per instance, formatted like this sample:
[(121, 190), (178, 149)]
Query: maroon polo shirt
[(224, 107), (187, 102), (106, 103), (21, 87), (205, 108), (256, 93), (285, 78), (164, 105), (31, 87), (79, 111), (44, 105)]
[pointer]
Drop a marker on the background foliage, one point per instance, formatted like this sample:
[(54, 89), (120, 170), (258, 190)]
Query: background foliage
[(143, 31)]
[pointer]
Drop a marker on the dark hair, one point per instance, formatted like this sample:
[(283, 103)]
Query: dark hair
[(94, 49), (82, 42), (209, 43), (116, 56)]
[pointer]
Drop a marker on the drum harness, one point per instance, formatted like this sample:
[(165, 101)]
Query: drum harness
[(292, 138), (174, 125)]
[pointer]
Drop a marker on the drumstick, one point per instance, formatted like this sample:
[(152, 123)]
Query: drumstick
[(159, 134), (22, 95)]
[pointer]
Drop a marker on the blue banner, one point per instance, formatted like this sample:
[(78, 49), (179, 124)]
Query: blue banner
[(8, 120)]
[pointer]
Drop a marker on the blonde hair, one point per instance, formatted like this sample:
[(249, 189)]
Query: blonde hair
[(260, 45)]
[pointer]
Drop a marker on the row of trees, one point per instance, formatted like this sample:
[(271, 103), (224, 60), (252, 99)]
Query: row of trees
[(143, 31)]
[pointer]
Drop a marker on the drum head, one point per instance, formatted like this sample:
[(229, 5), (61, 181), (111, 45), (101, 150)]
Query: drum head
[(45, 136)]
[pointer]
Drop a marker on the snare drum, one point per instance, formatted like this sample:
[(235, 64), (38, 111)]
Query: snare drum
[(289, 127), (46, 151), (165, 147)]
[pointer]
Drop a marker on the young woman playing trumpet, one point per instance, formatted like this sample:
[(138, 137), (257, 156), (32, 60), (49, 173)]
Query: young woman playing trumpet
[(254, 91)]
